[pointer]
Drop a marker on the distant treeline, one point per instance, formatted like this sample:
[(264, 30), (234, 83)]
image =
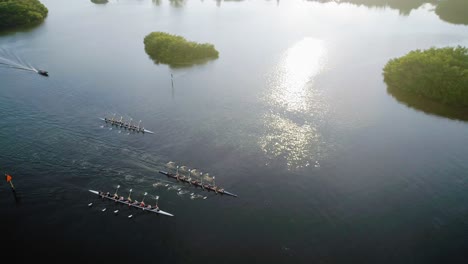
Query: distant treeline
[(17, 13), (176, 50), (440, 74), (452, 11), (404, 6)]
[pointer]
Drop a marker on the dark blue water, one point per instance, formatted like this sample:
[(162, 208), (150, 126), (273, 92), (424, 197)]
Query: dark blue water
[(293, 117)]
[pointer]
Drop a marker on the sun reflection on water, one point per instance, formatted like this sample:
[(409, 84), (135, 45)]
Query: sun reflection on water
[(297, 106)]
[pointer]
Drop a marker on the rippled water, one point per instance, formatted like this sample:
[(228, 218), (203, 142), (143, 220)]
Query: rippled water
[(293, 117)]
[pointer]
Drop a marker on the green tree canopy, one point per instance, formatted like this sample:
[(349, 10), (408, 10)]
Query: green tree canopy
[(439, 74), (176, 50), (17, 13)]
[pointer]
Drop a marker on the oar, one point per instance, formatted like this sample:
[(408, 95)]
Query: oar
[(156, 206), (128, 198), (118, 186), (201, 177), (143, 200)]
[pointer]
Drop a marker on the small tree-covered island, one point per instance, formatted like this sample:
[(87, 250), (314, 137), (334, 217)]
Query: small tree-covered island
[(21, 13), (176, 50), (437, 74)]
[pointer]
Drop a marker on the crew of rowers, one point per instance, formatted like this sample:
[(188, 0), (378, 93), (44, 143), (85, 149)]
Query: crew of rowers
[(129, 201), (124, 125), (196, 183)]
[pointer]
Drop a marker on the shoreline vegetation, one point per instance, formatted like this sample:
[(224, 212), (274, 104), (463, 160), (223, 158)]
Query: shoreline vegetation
[(21, 13), (451, 11), (436, 75), (176, 51)]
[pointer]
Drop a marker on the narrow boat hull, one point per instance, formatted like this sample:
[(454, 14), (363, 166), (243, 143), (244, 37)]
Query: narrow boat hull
[(133, 205)]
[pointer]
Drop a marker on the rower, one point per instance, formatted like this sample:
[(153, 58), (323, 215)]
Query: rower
[(130, 123)]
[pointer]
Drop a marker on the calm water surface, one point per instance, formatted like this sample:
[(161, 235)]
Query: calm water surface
[(294, 117)]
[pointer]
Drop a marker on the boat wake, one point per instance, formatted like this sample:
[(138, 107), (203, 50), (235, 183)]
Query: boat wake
[(12, 61), (180, 191)]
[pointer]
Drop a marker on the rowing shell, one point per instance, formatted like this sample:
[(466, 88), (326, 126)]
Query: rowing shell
[(144, 130), (197, 184), (134, 205)]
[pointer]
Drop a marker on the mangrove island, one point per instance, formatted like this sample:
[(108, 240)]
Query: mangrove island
[(19, 13), (176, 50), (440, 74)]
